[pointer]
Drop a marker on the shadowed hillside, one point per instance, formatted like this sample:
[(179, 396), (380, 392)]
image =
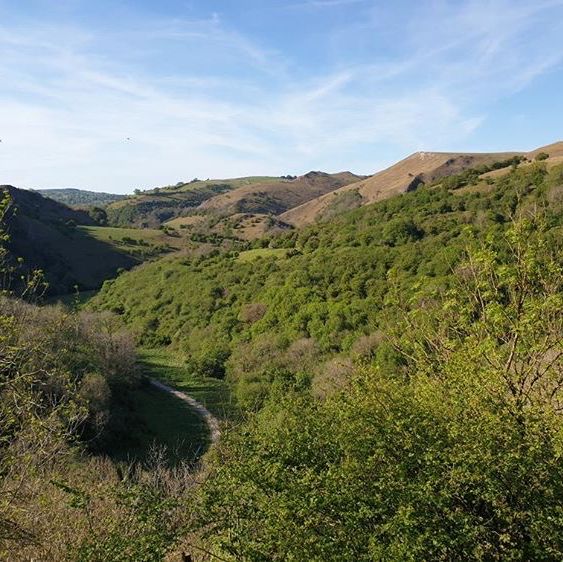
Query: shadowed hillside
[(47, 236), (276, 197)]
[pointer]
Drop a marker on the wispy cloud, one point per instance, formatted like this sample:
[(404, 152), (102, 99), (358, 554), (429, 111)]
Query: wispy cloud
[(326, 3), (199, 97)]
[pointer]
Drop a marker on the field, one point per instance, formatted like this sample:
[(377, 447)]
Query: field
[(155, 419), (141, 243), (212, 393), (159, 420), (251, 255)]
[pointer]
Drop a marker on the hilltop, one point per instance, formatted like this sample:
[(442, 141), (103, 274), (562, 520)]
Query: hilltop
[(69, 247), (240, 208), (278, 196), (404, 176), (153, 207), (80, 197), (251, 211)]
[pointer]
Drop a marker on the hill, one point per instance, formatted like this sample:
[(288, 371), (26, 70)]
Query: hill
[(404, 176), (48, 235), (329, 285), (80, 197), (275, 197), (153, 207), (250, 212), (401, 368), (239, 208)]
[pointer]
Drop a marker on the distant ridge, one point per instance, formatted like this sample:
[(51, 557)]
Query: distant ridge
[(80, 197), (405, 175), (276, 197)]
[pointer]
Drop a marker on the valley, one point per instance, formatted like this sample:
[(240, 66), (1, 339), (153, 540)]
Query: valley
[(355, 341)]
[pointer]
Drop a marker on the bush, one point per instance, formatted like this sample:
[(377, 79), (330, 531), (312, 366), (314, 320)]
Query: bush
[(455, 456)]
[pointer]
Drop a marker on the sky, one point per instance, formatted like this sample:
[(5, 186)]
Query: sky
[(114, 95)]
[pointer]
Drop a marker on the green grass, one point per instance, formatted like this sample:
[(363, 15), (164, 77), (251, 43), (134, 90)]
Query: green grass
[(251, 255), (155, 419), (214, 394), (116, 234), (141, 243)]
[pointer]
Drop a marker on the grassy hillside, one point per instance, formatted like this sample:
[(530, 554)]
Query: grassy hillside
[(408, 174), (329, 290), (80, 197), (153, 207), (400, 367), (241, 208), (72, 250), (48, 236), (140, 243), (275, 197)]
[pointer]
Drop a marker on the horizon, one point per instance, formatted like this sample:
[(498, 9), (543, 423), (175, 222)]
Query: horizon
[(297, 175), (116, 97)]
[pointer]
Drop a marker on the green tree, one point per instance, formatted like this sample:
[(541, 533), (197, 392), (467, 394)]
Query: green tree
[(453, 453)]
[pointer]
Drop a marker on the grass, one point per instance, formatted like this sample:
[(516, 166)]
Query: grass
[(165, 366), (233, 183), (185, 221), (157, 420), (251, 255), (142, 243), (154, 419), (118, 235)]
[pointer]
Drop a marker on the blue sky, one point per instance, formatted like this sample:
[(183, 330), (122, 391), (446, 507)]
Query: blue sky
[(209, 88)]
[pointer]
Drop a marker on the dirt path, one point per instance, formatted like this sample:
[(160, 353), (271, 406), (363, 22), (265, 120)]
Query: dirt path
[(211, 421)]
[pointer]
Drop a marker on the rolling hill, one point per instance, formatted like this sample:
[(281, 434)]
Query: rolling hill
[(417, 169), (153, 207), (404, 176), (276, 197), (328, 283), (48, 235), (80, 197), (251, 211)]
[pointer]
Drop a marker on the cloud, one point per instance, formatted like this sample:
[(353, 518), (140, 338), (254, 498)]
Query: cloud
[(199, 98), (326, 3)]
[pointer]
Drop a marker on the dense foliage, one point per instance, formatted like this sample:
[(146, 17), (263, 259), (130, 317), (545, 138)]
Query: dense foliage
[(401, 370), (453, 454), (331, 287), (60, 374), (80, 197)]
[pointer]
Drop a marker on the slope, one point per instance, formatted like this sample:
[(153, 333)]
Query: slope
[(46, 235), (406, 175), (153, 207), (322, 290), (275, 197), (80, 197)]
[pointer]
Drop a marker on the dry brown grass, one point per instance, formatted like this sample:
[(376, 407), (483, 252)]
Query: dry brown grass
[(401, 177)]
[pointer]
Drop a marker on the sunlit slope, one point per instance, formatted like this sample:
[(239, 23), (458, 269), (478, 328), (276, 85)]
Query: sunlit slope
[(153, 207), (275, 197), (406, 175)]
